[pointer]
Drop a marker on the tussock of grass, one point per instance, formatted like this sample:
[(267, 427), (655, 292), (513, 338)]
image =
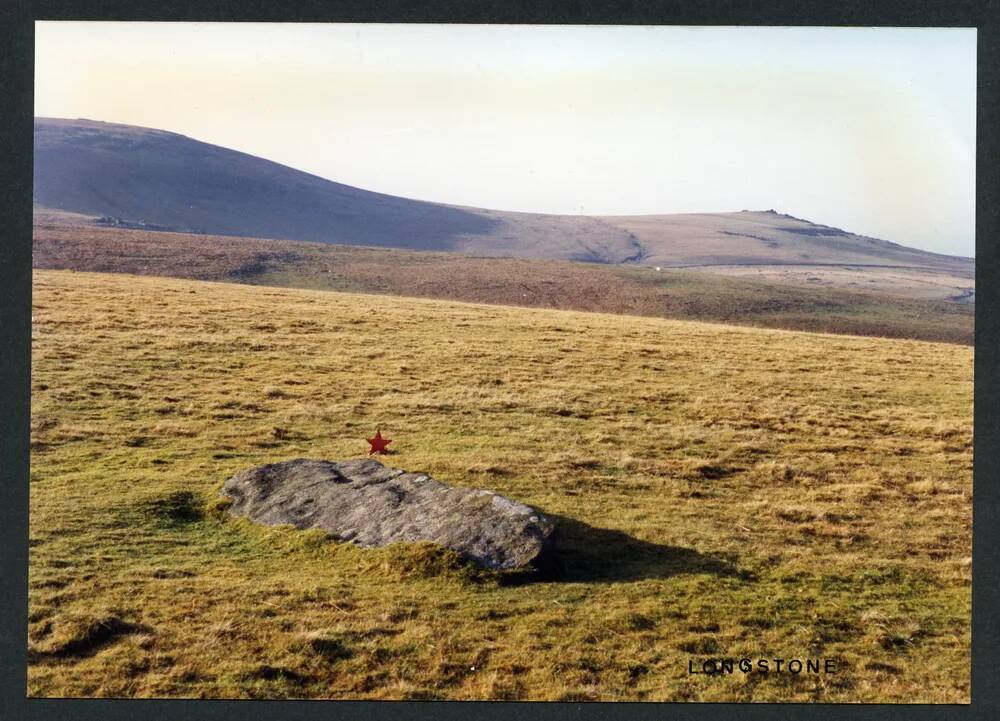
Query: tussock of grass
[(328, 646), (733, 491), (425, 560), (172, 509), (218, 508), (79, 634)]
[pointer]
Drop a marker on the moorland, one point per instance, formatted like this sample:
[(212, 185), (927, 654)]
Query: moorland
[(719, 491)]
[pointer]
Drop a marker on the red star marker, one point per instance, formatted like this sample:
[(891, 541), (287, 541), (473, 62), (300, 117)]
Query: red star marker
[(378, 443)]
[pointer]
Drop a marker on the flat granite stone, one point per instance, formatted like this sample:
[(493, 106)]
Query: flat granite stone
[(371, 505)]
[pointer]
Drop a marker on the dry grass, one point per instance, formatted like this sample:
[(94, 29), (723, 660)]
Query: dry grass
[(719, 491), (631, 290)]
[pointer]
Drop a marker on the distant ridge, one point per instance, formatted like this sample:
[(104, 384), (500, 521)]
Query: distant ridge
[(155, 179), (166, 179)]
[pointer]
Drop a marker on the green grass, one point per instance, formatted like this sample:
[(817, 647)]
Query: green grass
[(719, 491)]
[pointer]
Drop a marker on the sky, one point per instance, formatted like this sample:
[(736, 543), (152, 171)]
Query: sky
[(867, 129)]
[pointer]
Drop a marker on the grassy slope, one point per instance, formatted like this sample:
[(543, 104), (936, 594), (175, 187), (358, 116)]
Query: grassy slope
[(539, 283), (721, 491)]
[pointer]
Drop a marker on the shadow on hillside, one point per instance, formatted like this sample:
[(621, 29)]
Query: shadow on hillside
[(585, 554)]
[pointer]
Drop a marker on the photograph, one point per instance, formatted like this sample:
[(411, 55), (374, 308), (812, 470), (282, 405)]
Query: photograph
[(491, 362)]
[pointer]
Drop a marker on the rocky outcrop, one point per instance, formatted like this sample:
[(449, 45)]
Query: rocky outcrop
[(371, 505)]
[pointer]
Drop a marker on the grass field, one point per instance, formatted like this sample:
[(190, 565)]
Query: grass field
[(624, 289), (719, 491)]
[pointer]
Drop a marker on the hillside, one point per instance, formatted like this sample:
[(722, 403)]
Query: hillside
[(720, 492), (65, 243), (162, 179)]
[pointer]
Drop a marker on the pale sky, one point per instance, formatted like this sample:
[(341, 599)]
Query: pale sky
[(871, 130)]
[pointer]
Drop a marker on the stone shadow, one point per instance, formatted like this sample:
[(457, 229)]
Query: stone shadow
[(581, 553)]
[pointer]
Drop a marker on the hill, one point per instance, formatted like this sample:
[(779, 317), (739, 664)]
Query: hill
[(65, 243), (149, 178), (719, 491)]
